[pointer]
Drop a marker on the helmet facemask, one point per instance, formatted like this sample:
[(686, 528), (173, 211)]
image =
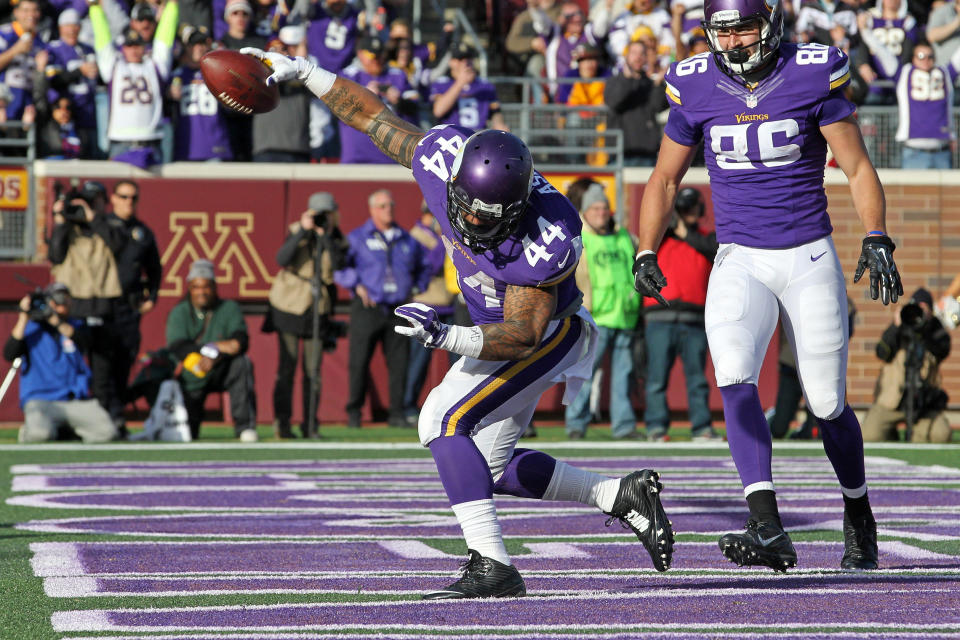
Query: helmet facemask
[(496, 222), (744, 59)]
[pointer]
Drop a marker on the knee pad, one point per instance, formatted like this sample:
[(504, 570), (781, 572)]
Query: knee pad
[(825, 404), (734, 359)]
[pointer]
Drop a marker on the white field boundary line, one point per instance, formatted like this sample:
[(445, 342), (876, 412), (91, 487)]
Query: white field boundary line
[(413, 446), (98, 620), (531, 636)]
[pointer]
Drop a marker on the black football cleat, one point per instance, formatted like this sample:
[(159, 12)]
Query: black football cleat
[(638, 508), (761, 544), (859, 542), (482, 578)]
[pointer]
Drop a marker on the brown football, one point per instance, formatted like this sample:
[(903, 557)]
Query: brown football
[(239, 81)]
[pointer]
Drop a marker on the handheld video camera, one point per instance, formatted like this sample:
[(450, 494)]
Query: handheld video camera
[(40, 308), (911, 316), (74, 213)]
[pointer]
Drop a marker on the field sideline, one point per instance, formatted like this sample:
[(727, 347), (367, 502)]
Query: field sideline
[(331, 539)]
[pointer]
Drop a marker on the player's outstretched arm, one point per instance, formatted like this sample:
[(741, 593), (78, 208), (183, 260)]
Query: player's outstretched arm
[(526, 313), (876, 253), (354, 105)]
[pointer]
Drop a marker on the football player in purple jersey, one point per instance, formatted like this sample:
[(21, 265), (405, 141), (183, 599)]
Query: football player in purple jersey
[(515, 241), (766, 111)]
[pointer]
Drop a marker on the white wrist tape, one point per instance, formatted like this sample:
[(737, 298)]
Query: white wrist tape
[(467, 341), (645, 252), (319, 81)]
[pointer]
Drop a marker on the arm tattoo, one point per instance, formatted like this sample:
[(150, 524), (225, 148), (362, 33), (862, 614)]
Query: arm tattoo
[(526, 313), (394, 136), (358, 108)]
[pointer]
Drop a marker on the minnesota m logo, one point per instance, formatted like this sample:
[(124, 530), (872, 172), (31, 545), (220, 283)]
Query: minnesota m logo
[(229, 246)]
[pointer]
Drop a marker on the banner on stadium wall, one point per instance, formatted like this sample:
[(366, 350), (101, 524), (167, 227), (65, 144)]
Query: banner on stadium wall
[(14, 188)]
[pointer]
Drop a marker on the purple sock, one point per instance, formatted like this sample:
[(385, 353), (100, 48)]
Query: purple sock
[(527, 475), (463, 471), (748, 433), (843, 442)]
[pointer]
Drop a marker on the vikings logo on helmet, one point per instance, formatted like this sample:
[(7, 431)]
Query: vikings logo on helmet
[(491, 179), (725, 15)]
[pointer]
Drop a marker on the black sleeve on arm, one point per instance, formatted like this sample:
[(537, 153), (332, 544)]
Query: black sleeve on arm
[(59, 243), (241, 336), (151, 264), (113, 235), (937, 340), (182, 348), (889, 343), (289, 248), (14, 348)]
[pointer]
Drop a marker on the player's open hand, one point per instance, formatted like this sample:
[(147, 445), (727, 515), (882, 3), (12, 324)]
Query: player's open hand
[(284, 67), (425, 326), (876, 255), (648, 279)]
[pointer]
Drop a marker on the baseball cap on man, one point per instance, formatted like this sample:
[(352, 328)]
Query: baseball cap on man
[(293, 34), (68, 16), (322, 201), (370, 44), (237, 5), (463, 51), (142, 11), (197, 35), (201, 269), (58, 292), (132, 38)]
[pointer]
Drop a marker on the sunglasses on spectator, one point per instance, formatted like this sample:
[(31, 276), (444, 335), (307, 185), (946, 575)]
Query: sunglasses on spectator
[(126, 196), (922, 55), (570, 16)]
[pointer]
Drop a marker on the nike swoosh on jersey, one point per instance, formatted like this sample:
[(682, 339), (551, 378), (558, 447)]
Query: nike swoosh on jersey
[(814, 259), (564, 261)]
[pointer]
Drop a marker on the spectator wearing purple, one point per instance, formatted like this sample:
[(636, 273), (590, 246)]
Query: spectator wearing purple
[(19, 45), (563, 37), (925, 101), (371, 71), (385, 268), (201, 131), (69, 68), (887, 26), (464, 99)]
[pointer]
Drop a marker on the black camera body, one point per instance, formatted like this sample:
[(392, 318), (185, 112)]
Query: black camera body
[(73, 213), (40, 308), (321, 219), (911, 316)]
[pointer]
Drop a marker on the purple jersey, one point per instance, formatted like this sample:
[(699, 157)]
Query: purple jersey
[(64, 57), (18, 75), (331, 39), (892, 34), (201, 131), (543, 251), (925, 103), (472, 108), (356, 146), (763, 148)]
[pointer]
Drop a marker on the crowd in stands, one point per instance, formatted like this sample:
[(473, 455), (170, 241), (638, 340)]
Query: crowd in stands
[(56, 54)]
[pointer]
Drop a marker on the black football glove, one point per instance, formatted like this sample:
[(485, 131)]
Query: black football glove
[(648, 279), (877, 255)]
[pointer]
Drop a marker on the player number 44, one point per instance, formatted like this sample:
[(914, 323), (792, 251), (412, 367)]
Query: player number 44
[(436, 163), (534, 251)]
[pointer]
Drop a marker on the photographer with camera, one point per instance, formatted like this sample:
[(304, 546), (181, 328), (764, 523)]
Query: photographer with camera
[(301, 302), (54, 378), (908, 389), (83, 249)]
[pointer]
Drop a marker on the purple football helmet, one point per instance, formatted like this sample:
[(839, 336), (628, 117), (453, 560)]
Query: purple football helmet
[(491, 179), (724, 15)]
